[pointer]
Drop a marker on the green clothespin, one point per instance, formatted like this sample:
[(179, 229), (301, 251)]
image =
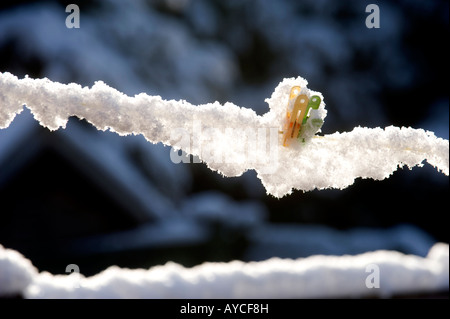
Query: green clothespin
[(314, 103)]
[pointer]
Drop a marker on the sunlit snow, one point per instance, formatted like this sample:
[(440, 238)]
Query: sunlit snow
[(315, 276)]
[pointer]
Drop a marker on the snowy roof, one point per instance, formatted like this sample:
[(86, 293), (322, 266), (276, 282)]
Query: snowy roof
[(104, 159)]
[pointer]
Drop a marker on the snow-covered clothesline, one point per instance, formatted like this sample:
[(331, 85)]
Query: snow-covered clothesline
[(379, 274), (228, 138)]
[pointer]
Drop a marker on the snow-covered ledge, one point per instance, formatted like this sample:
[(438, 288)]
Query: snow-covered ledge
[(373, 274), (228, 138)]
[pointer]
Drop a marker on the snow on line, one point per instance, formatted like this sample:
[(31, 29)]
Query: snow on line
[(380, 273), (228, 138)]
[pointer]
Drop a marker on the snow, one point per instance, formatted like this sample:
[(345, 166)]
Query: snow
[(16, 272), (315, 276), (228, 138)]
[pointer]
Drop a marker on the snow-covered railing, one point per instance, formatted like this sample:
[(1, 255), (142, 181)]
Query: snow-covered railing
[(228, 138), (373, 274)]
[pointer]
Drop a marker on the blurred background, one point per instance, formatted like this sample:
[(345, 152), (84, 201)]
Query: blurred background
[(94, 199)]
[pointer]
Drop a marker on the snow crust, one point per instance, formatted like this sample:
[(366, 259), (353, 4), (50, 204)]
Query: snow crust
[(228, 138)]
